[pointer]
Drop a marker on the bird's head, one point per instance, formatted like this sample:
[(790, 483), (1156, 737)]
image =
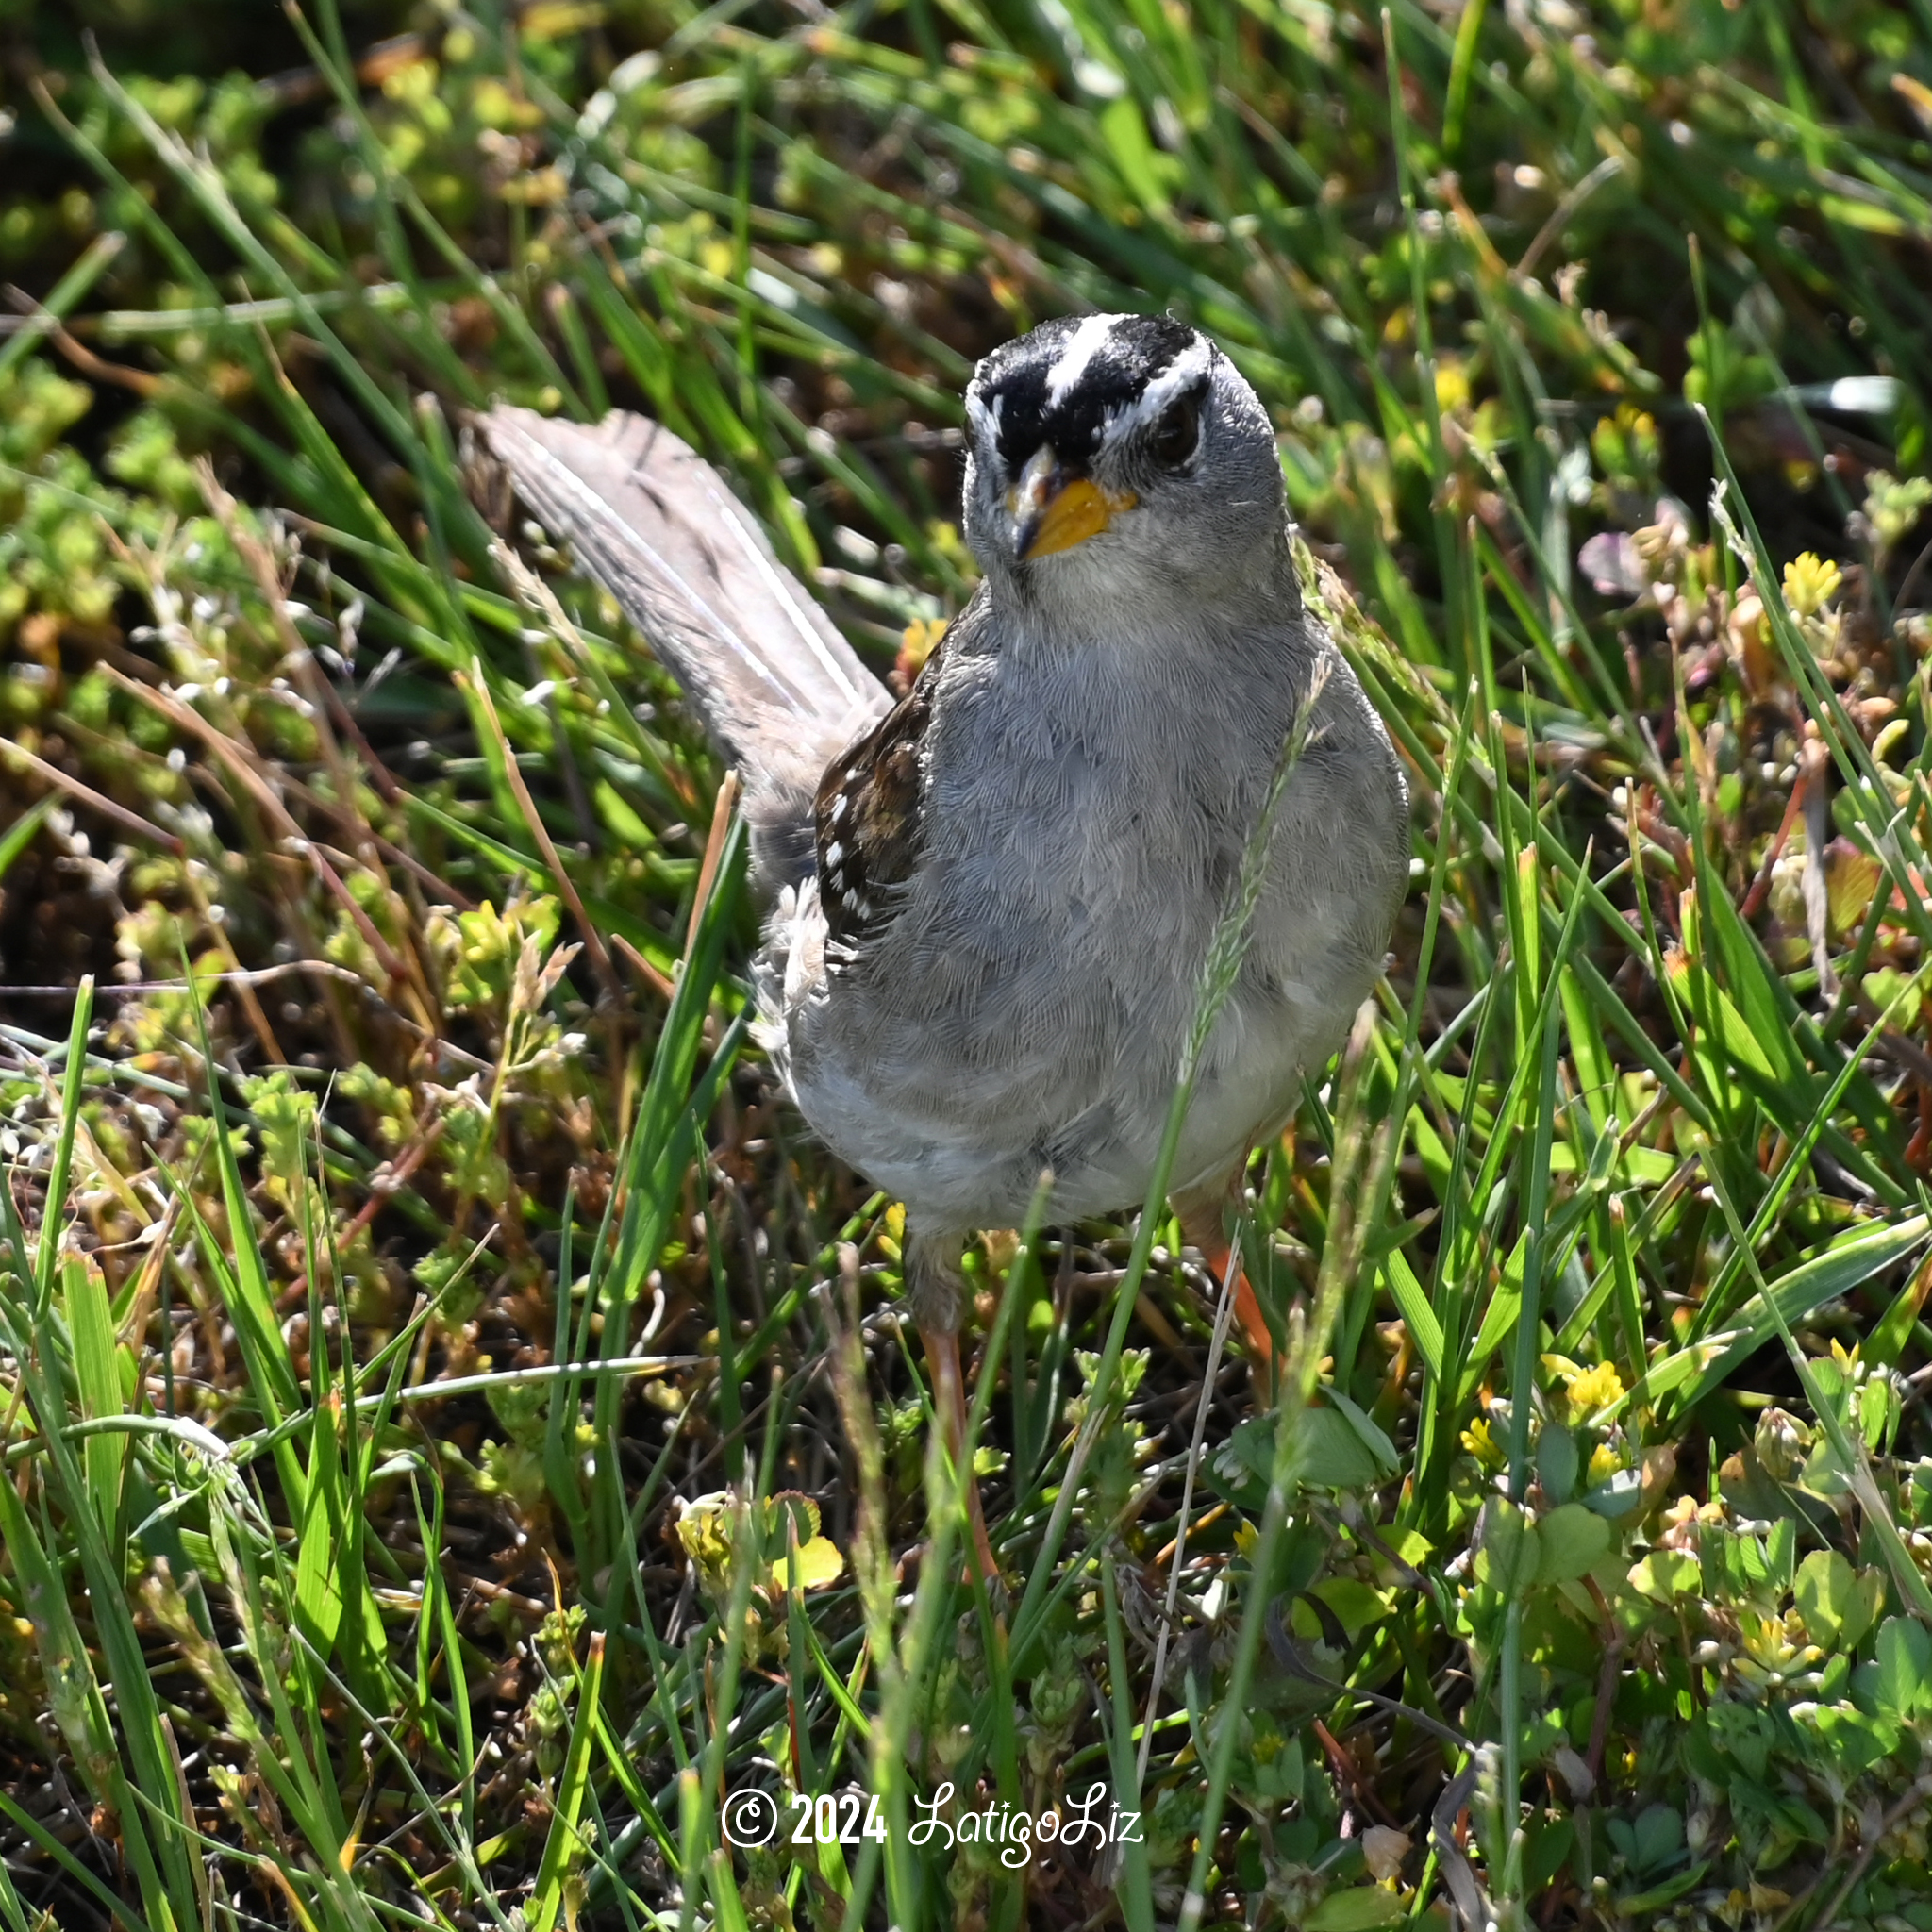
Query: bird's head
[(1119, 456)]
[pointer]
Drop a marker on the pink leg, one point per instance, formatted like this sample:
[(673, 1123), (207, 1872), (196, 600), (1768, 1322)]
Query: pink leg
[(1200, 1224), (949, 1398)]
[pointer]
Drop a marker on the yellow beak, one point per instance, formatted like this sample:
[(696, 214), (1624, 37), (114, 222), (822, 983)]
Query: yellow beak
[(1053, 512)]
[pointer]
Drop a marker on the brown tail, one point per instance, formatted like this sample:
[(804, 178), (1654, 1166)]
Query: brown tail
[(657, 528)]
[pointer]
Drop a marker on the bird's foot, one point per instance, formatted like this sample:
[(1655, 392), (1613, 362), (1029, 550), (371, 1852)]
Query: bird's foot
[(1201, 1226)]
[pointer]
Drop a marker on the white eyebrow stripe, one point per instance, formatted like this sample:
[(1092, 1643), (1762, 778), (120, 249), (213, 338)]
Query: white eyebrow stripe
[(1182, 373), (1085, 344)]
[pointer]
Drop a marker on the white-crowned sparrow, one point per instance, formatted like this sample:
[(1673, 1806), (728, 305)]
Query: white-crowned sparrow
[(991, 900)]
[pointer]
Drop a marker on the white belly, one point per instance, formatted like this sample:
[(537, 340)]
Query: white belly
[(1027, 1004)]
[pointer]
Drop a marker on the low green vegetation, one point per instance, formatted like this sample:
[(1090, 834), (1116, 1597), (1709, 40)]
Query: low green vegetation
[(459, 1437)]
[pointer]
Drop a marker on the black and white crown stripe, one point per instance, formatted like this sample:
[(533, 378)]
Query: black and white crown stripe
[(984, 416), (1080, 385), (1187, 370), (1091, 336)]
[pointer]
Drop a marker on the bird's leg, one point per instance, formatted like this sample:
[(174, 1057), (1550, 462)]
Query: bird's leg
[(1200, 1212), (949, 1396), (935, 1292)]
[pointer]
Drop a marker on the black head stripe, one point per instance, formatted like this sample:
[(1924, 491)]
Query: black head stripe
[(1062, 382)]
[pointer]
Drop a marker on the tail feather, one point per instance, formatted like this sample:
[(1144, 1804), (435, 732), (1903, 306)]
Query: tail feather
[(656, 525)]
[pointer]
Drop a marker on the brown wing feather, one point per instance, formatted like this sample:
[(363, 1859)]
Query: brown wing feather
[(868, 815)]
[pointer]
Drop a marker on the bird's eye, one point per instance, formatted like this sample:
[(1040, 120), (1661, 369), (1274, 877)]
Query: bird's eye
[(1175, 437)]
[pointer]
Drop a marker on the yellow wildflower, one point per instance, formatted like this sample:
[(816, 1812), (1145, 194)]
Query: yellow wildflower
[(1604, 1463), (916, 644), (1586, 1390), (1481, 1443), (1595, 1390), (1810, 583)]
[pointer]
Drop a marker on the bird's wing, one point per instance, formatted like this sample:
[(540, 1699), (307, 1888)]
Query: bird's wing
[(656, 525)]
